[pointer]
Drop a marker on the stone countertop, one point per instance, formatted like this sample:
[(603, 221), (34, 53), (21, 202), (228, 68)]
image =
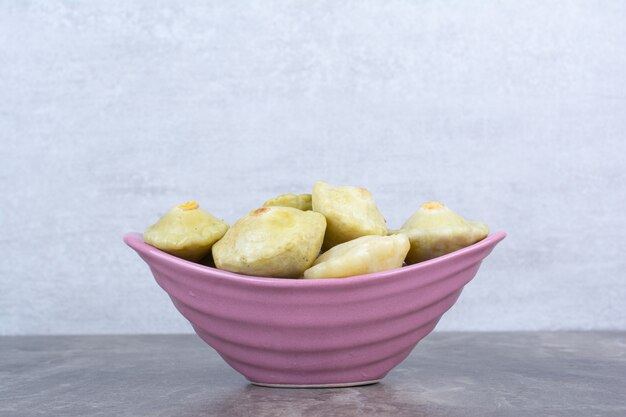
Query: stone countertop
[(448, 374)]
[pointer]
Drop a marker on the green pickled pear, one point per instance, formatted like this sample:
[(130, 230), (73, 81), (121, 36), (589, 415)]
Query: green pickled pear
[(298, 201), (435, 230), (186, 231), (277, 242), (350, 213), (364, 255)]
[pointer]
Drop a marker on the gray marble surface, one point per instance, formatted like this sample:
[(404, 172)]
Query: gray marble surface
[(448, 374)]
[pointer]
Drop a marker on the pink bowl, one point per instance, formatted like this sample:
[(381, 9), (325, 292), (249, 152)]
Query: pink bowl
[(330, 332)]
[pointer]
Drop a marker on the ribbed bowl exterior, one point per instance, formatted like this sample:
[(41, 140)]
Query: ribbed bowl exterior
[(314, 332)]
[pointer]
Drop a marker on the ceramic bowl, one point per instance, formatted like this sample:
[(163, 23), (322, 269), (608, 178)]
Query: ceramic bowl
[(325, 332)]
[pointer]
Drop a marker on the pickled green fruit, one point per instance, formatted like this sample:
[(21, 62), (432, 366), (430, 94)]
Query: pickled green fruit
[(435, 230), (271, 242), (363, 255), (186, 231), (298, 201), (350, 213)]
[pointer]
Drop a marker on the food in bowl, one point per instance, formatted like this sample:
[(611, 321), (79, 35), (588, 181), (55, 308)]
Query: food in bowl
[(435, 230), (314, 332), (186, 231), (350, 213), (283, 239), (363, 255), (272, 242)]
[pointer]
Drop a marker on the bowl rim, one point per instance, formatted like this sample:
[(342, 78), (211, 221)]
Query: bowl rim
[(136, 242)]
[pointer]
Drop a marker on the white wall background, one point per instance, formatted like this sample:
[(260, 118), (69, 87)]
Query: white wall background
[(511, 112)]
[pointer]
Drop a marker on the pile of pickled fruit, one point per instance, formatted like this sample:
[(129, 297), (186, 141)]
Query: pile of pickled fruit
[(335, 232)]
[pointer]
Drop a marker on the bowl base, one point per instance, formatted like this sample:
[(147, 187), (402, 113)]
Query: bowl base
[(336, 385)]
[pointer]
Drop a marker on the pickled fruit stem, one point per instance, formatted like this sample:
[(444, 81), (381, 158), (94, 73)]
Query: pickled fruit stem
[(432, 205), (189, 205)]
